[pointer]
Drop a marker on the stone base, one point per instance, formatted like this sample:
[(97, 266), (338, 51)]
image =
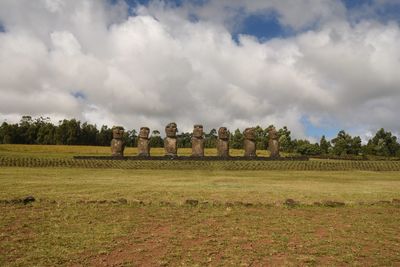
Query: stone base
[(273, 147), (197, 147), (143, 147), (170, 147), (117, 148), (222, 148), (249, 148)]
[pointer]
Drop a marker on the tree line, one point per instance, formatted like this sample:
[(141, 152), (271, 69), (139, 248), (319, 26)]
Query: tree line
[(72, 132)]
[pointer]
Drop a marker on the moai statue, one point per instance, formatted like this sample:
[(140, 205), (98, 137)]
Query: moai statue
[(223, 142), (249, 143), (197, 141), (273, 143), (143, 142), (170, 144), (117, 144)]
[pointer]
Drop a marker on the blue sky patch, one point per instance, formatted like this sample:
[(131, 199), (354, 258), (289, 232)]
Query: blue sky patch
[(356, 3), (79, 95), (134, 3), (384, 12), (389, 12), (264, 27), (318, 132)]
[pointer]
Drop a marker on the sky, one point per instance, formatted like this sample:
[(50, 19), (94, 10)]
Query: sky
[(316, 66)]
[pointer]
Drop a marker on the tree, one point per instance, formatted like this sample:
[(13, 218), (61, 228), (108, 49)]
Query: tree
[(68, 132), (184, 140), (237, 139), (355, 146), (261, 137), (285, 141), (383, 144), (88, 134), (105, 136), (130, 138), (344, 144), (3, 130), (155, 139), (27, 131), (210, 139), (304, 147), (324, 145), (8, 133), (341, 143), (46, 132)]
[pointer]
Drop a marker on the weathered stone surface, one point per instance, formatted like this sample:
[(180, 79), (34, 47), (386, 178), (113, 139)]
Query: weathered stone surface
[(249, 143), (192, 202), (273, 143), (28, 199), (143, 142), (171, 129), (117, 144), (333, 204), (223, 142), (197, 141), (170, 146), (291, 202), (170, 142)]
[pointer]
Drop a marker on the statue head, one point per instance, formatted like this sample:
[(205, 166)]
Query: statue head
[(118, 132), (144, 132), (273, 134), (171, 129), (223, 133), (250, 134), (198, 131)]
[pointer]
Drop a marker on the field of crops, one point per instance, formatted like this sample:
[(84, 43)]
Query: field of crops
[(318, 165)]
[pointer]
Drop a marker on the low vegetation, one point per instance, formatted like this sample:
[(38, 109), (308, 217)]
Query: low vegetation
[(318, 165), (167, 213)]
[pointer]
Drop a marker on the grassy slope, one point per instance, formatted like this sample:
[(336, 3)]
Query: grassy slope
[(61, 151), (60, 229)]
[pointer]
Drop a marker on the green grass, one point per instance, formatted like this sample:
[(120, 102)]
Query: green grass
[(81, 218), (56, 151), (98, 235), (178, 185), (61, 151)]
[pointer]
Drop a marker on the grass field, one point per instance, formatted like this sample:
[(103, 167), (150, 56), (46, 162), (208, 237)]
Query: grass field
[(58, 151), (194, 217)]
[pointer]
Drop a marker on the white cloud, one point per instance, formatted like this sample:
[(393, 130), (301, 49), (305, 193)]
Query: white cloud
[(158, 66)]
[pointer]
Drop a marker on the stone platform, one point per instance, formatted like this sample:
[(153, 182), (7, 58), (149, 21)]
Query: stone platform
[(190, 158)]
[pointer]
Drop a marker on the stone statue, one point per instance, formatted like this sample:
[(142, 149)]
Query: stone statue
[(143, 142), (273, 143), (197, 141), (117, 144), (170, 144), (249, 143), (223, 142)]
